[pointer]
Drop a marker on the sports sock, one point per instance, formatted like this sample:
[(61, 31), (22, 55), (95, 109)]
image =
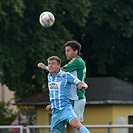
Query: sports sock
[(83, 129)]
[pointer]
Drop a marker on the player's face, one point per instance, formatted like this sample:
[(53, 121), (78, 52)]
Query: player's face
[(70, 53), (53, 66)]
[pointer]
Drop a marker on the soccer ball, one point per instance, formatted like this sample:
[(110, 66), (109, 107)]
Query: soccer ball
[(46, 19)]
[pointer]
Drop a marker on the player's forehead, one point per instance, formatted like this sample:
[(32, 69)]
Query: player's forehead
[(68, 48), (53, 61)]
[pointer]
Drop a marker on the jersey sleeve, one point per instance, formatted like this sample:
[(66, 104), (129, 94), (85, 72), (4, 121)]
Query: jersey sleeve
[(72, 79), (74, 64)]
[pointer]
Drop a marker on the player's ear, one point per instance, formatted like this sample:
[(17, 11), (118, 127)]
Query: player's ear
[(59, 66), (76, 52)]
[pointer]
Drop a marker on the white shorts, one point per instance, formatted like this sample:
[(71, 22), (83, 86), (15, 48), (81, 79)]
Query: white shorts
[(79, 106)]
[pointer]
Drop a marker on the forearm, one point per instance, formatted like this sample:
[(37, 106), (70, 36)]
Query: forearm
[(43, 66)]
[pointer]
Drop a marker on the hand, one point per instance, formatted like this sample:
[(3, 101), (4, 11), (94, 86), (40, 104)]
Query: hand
[(41, 65), (48, 107), (82, 85)]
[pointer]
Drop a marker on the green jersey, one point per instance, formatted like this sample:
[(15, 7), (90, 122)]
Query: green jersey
[(77, 67)]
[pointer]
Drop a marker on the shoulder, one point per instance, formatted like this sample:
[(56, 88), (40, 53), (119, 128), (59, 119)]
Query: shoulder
[(62, 73), (76, 60), (79, 59), (70, 75), (66, 75)]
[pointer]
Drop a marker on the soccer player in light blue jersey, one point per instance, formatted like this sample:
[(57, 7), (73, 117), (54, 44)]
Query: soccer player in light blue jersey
[(59, 83)]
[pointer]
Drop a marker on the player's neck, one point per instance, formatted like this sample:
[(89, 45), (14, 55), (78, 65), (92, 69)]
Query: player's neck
[(55, 72), (76, 56)]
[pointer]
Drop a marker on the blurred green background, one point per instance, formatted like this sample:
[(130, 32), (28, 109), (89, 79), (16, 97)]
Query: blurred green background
[(104, 28)]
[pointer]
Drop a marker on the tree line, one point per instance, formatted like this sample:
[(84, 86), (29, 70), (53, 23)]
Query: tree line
[(104, 28)]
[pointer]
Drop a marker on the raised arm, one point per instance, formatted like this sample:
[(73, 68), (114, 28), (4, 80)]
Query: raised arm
[(42, 65)]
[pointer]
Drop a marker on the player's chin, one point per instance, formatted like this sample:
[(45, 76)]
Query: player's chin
[(50, 70), (68, 58)]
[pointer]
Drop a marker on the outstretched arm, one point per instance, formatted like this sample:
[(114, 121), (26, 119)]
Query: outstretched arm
[(42, 65)]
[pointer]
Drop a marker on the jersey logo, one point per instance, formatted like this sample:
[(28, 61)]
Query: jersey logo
[(54, 86), (60, 78)]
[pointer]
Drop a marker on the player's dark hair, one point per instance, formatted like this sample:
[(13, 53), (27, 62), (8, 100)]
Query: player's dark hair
[(74, 45), (54, 58)]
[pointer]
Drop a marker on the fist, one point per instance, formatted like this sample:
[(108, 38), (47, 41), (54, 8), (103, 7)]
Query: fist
[(41, 65), (48, 107)]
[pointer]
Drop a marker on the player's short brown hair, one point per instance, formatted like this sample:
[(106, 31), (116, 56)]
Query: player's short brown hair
[(54, 58)]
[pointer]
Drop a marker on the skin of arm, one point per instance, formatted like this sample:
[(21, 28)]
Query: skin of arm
[(41, 65)]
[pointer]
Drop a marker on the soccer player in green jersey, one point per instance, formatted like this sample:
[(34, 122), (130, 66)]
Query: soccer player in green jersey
[(76, 66)]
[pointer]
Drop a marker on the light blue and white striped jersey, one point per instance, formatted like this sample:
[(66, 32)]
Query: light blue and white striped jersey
[(59, 89)]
